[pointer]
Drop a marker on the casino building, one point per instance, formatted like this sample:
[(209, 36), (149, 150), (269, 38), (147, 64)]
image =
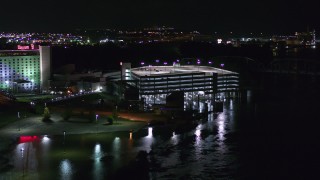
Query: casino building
[(25, 70), (200, 84)]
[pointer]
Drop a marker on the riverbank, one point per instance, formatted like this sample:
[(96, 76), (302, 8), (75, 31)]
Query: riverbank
[(34, 126)]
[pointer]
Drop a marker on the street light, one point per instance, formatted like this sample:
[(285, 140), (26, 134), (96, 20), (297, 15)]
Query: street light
[(97, 121), (64, 139), (19, 119)]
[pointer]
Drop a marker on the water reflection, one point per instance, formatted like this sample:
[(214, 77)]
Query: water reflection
[(198, 134), (204, 147), (25, 159), (174, 138), (116, 145), (146, 142), (221, 120), (65, 170), (97, 166), (97, 154), (198, 142), (150, 129)]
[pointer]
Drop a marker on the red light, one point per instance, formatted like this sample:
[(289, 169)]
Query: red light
[(24, 139)]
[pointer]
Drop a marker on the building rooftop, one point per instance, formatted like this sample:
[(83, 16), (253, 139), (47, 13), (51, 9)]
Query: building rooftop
[(175, 70), (19, 52)]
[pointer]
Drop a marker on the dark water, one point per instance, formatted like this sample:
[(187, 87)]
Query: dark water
[(246, 141)]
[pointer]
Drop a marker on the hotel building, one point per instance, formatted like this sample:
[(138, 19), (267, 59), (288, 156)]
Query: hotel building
[(25, 70)]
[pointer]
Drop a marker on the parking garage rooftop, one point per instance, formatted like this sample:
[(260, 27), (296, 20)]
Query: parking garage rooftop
[(172, 70)]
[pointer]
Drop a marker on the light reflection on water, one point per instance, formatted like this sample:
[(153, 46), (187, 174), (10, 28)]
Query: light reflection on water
[(203, 148), (97, 165), (174, 138), (208, 154), (66, 169), (221, 120), (145, 143)]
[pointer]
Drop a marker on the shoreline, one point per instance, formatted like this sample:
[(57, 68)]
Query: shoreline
[(34, 126)]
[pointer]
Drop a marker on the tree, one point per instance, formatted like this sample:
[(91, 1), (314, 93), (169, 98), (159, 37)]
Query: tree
[(46, 114), (110, 119)]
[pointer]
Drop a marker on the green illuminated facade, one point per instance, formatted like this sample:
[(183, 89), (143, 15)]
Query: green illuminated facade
[(21, 71)]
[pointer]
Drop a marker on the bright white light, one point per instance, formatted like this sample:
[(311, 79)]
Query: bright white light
[(150, 129), (174, 138), (45, 139), (219, 41), (221, 126), (198, 132), (97, 149)]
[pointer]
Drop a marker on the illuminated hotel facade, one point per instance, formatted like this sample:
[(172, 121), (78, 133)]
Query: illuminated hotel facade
[(200, 84), (25, 70)]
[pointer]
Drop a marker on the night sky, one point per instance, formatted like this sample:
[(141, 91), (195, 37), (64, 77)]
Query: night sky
[(273, 16)]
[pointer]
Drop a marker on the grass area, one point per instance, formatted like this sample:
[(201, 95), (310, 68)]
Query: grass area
[(10, 117), (30, 98), (86, 104), (7, 119), (9, 114)]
